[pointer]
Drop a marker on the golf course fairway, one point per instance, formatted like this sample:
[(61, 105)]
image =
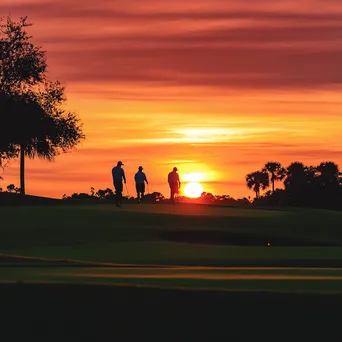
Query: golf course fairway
[(169, 272)]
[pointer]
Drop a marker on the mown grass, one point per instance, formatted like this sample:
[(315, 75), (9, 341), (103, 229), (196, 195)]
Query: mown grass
[(133, 234)]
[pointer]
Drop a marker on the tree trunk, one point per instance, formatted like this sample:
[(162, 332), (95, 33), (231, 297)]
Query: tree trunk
[(22, 170), (272, 186)]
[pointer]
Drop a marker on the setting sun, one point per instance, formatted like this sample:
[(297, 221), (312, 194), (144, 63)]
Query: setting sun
[(193, 190)]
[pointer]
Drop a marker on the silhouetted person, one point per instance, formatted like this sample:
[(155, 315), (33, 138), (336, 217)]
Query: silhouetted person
[(174, 183), (140, 179), (118, 174)]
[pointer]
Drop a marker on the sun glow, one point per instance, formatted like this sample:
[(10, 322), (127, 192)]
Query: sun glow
[(194, 177), (193, 190)]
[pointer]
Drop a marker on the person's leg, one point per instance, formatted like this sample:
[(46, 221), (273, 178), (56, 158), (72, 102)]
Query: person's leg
[(138, 191), (118, 193), (142, 190), (174, 192), (117, 199), (172, 196)]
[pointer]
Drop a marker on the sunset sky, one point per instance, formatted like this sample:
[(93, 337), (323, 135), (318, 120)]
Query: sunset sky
[(215, 87)]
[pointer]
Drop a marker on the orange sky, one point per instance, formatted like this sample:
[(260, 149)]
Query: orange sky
[(217, 87)]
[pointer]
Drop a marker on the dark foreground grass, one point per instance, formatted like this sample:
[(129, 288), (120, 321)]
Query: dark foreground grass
[(101, 313)]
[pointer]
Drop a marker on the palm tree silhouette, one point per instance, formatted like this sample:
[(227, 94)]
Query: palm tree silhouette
[(276, 172), (257, 180)]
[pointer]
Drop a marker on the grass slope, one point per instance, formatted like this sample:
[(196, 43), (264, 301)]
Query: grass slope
[(7, 198), (134, 234)]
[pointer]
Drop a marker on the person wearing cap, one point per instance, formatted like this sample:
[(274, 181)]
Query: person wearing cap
[(118, 174), (174, 183), (140, 179)]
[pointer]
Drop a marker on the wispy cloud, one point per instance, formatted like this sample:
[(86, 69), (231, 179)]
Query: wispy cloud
[(179, 43)]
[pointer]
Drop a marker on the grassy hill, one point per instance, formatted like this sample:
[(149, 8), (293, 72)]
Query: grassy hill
[(173, 234), (7, 198)]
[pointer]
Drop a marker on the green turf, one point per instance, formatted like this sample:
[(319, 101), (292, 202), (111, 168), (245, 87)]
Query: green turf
[(132, 234)]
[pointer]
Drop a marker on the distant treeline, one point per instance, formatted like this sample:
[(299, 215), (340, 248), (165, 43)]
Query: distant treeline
[(302, 185)]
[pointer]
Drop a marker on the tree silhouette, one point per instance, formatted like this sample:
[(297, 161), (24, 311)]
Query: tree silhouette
[(13, 189), (328, 184), (207, 197), (276, 172), (328, 175), (256, 181), (154, 197), (105, 194), (39, 126), (22, 64), (30, 129), (295, 176), (300, 183), (10, 108)]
